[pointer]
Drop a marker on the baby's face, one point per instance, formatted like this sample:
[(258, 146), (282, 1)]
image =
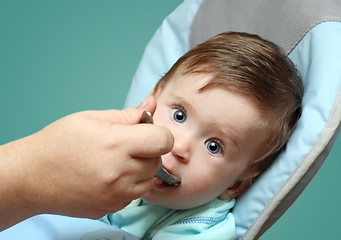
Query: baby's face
[(217, 135)]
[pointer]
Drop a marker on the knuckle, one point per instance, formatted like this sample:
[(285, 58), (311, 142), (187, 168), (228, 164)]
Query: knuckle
[(108, 179), (141, 189)]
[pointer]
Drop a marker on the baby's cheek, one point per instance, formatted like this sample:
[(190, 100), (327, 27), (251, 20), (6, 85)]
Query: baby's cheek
[(198, 180)]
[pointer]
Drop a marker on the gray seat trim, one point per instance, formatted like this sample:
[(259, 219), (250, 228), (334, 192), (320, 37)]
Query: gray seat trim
[(285, 22)]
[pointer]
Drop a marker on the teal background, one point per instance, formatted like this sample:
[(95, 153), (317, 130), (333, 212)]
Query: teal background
[(60, 57)]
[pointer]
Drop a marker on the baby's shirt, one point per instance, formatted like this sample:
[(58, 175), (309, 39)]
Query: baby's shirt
[(148, 221)]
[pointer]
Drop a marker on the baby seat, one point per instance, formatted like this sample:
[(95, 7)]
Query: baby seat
[(310, 33)]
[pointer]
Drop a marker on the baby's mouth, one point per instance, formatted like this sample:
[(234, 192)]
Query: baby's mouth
[(162, 176)]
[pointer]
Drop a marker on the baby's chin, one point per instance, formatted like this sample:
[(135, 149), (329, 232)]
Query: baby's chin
[(172, 197)]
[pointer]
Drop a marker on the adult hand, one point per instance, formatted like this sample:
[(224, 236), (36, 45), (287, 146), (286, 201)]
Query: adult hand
[(84, 165)]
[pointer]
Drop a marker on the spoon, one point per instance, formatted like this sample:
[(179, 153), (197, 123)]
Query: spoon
[(162, 176)]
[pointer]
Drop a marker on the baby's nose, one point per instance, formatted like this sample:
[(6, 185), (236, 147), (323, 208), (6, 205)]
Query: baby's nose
[(181, 148)]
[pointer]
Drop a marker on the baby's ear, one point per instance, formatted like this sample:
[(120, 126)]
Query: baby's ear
[(238, 187), (235, 190)]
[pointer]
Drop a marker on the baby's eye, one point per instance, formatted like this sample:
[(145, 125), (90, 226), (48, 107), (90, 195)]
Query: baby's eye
[(179, 115), (213, 146)]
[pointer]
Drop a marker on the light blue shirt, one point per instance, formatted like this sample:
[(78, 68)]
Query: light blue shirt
[(148, 221)]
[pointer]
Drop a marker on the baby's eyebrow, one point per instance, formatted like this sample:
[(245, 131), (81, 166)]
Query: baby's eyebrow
[(230, 137), (189, 107)]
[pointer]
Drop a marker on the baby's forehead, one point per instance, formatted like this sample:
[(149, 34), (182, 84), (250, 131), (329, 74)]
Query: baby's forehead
[(205, 83), (265, 117)]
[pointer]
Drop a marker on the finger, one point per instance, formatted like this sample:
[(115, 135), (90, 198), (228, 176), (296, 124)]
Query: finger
[(127, 116), (147, 140), (141, 188), (148, 104), (143, 168), (132, 115)]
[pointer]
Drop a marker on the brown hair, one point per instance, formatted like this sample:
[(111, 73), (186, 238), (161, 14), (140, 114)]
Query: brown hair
[(255, 68)]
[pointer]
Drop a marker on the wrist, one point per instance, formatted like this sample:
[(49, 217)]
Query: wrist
[(13, 205)]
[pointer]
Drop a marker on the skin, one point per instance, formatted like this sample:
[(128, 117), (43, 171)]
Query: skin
[(214, 117), (86, 164)]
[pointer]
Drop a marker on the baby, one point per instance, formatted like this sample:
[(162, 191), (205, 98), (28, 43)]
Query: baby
[(231, 103)]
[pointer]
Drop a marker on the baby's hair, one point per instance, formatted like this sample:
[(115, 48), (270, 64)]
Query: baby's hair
[(255, 68)]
